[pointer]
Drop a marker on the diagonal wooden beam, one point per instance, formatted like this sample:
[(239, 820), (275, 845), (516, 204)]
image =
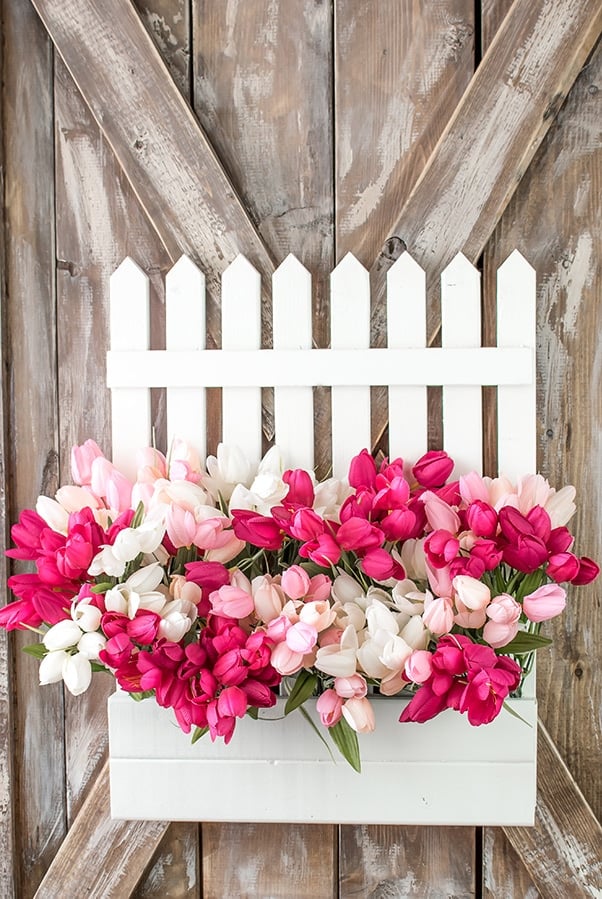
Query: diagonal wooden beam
[(493, 134), (100, 857), (154, 133), (565, 845)]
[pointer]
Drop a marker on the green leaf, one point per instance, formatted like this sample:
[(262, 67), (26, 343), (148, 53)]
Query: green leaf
[(253, 712), (515, 714), (138, 515), (197, 733), (103, 587), (305, 684), (37, 650), (316, 729), (524, 643), (98, 666), (345, 739)]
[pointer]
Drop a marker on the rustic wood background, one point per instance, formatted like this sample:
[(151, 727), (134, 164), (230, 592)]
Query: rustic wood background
[(318, 127)]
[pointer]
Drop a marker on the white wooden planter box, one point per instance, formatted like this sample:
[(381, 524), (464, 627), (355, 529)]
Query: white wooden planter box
[(442, 772)]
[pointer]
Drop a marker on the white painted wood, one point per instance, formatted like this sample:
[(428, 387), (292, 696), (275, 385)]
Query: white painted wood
[(129, 329), (241, 330), (516, 327), (185, 330), (406, 327), (291, 327), (441, 772), (461, 327), (214, 368), (349, 329)]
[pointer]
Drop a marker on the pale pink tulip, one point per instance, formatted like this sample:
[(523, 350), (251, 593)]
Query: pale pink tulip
[(350, 687), (267, 597), (108, 482), (418, 667), (295, 582), (472, 593), (301, 637), (231, 602), (285, 661), (544, 603), (504, 614), (439, 514), (329, 707), (319, 614), (82, 458), (359, 715), (438, 615)]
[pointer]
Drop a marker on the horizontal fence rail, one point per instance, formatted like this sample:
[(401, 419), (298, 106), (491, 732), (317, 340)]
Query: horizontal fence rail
[(350, 367)]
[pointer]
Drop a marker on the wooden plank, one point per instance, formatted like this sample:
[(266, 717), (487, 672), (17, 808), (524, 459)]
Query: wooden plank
[(38, 801), (295, 862), (401, 68), (263, 92), (563, 851), (174, 869), (558, 238), (8, 855), (101, 857), (507, 109), (384, 862), (154, 134)]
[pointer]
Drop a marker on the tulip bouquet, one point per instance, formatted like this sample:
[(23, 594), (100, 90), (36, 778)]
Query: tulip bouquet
[(209, 586)]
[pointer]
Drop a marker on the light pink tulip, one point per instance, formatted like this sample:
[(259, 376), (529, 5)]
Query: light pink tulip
[(319, 614), (418, 667), (359, 715), (277, 628), (227, 552), (320, 586), (151, 465), (439, 515), (351, 687), (544, 603), (301, 637), (268, 598), (295, 582), (111, 484), (285, 661), (473, 594), (466, 617), (504, 614), (438, 615), (472, 487), (231, 602), (439, 580), (82, 458), (329, 707)]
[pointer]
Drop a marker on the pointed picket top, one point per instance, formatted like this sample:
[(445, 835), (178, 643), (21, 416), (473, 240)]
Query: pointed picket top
[(129, 323), (350, 304), (461, 303), (406, 303), (185, 306), (241, 306), (291, 293), (516, 302)]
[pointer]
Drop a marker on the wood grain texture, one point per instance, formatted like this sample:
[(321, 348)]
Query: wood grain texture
[(262, 91), (563, 851), (397, 862), (400, 70), (100, 858), (503, 873), (155, 136), (32, 455), (8, 856), (492, 135), (263, 94), (269, 861), (555, 220)]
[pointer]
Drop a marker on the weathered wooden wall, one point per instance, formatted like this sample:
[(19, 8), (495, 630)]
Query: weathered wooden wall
[(324, 114)]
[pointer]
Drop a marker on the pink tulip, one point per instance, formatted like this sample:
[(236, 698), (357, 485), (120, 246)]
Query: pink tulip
[(231, 602), (527, 554), (418, 667), (439, 580), (440, 548), (82, 458), (109, 483), (295, 582), (359, 535), (362, 470), (438, 615), (323, 551), (259, 530), (562, 567), (439, 514), (320, 586), (504, 614), (433, 469), (301, 637), (232, 702), (285, 660), (267, 598), (473, 487), (468, 618), (399, 524), (474, 594), (359, 715), (380, 565), (350, 687), (319, 614), (588, 572), (277, 628), (300, 487), (544, 603), (329, 707), (482, 519)]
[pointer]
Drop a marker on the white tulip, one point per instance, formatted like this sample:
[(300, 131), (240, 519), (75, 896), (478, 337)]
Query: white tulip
[(91, 645), (77, 673), (62, 635), (87, 617), (53, 514), (51, 667)]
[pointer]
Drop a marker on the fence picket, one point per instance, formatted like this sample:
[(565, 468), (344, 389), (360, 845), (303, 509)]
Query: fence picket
[(129, 329), (241, 330), (293, 406), (185, 330), (350, 329), (516, 326), (406, 327), (461, 327)]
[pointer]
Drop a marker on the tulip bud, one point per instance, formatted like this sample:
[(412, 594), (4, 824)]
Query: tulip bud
[(82, 458), (51, 667), (77, 673), (91, 645), (362, 470), (295, 582), (544, 603), (588, 572), (329, 707), (359, 715), (62, 635), (433, 469), (473, 593)]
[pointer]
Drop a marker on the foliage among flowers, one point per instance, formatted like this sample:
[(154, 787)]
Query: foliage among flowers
[(206, 586)]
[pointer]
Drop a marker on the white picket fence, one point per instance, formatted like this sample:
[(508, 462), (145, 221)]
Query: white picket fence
[(350, 367), (442, 772)]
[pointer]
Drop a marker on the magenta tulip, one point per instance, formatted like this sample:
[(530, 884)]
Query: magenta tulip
[(433, 469)]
